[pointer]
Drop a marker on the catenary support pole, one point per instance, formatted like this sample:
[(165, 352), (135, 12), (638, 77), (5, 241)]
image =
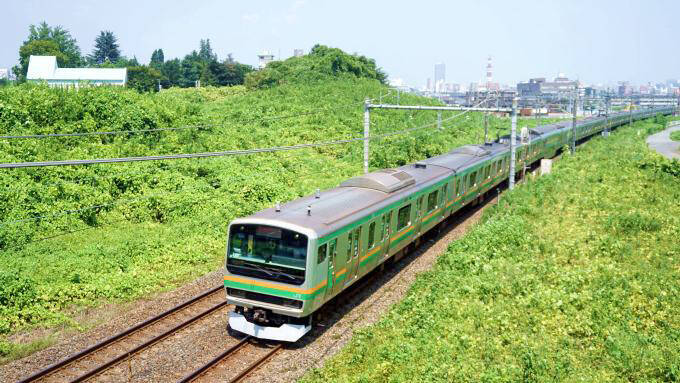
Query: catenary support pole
[(367, 124), (606, 114), (513, 143), (630, 112), (574, 110), (486, 127), (439, 119)]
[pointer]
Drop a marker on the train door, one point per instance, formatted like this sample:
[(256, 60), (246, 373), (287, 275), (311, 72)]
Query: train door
[(353, 262), (419, 214), (335, 265), (388, 233)]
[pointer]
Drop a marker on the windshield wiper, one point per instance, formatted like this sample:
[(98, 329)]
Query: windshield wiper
[(265, 270)]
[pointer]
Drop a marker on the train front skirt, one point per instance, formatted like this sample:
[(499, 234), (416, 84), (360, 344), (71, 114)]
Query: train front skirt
[(286, 332)]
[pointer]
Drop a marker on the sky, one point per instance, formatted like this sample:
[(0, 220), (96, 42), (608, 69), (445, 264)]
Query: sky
[(598, 42)]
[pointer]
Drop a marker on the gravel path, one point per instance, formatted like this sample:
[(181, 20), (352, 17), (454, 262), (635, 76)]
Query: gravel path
[(179, 354), (662, 143)]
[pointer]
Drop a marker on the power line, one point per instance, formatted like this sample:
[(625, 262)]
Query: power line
[(211, 154), (199, 127)]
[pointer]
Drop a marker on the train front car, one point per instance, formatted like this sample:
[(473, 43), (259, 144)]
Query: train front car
[(266, 278)]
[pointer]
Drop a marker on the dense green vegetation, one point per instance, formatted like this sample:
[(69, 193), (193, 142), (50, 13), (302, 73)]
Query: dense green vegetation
[(571, 277), (675, 136), (321, 63)]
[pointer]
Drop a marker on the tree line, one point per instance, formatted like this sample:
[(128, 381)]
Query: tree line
[(200, 65)]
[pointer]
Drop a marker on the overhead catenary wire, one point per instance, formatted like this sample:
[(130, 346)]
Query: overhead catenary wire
[(215, 154), (198, 127)]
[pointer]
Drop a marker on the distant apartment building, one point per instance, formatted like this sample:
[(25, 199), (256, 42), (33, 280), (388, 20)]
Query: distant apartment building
[(4, 74), (298, 52), (560, 87), (45, 68)]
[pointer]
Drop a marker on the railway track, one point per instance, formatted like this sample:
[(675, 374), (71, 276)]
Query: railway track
[(110, 352), (235, 363)]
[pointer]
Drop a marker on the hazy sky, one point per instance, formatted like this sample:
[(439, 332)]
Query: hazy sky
[(598, 41)]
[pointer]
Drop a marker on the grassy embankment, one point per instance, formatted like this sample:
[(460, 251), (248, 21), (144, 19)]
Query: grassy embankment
[(159, 224), (573, 276)]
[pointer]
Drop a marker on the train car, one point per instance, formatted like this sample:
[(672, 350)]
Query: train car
[(284, 263)]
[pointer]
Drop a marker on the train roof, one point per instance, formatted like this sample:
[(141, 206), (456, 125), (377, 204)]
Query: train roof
[(335, 208)]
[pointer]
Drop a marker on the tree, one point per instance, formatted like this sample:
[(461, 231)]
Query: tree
[(105, 49), (172, 73), (157, 59), (66, 45), (143, 78), (205, 53), (232, 73)]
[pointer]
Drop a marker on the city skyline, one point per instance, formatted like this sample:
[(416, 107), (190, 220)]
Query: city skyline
[(526, 39)]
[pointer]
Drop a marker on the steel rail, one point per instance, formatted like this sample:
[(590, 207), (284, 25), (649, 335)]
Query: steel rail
[(201, 370), (90, 350), (256, 364)]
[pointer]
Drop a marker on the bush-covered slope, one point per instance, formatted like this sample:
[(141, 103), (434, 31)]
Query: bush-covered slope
[(572, 277)]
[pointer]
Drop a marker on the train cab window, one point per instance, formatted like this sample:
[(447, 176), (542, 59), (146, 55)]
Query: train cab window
[(460, 186), (493, 169), (442, 195), (432, 201), (321, 255), (371, 235), (404, 217)]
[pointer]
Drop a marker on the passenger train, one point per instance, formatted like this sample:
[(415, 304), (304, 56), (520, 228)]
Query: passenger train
[(284, 263)]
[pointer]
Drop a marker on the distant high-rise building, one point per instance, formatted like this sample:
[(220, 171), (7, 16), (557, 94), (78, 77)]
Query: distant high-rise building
[(489, 72), (439, 73), (298, 52), (429, 84)]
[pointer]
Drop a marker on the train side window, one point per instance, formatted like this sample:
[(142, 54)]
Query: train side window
[(432, 201), (403, 217), (371, 235), (333, 249), (472, 178), (322, 253), (349, 245), (442, 195)]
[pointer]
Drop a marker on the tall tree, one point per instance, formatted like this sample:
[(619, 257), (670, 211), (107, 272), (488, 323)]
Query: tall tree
[(105, 49), (61, 38), (157, 59), (205, 53)]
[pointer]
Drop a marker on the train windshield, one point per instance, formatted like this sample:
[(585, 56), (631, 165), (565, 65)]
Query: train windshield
[(267, 252)]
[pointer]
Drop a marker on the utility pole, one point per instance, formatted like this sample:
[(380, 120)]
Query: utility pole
[(630, 111), (397, 96), (367, 123), (439, 119), (486, 127), (513, 143), (606, 114), (574, 110)]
